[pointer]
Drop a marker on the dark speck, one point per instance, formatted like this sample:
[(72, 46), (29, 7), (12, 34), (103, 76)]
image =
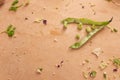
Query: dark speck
[(26, 18), (44, 8), (58, 66), (61, 62), (115, 70), (45, 22), (83, 7), (94, 13)]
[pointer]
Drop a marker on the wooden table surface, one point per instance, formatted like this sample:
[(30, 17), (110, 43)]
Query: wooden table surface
[(36, 45)]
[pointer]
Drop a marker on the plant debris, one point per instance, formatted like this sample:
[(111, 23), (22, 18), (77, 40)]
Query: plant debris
[(85, 75), (10, 30), (105, 76), (14, 6), (77, 37), (60, 64), (27, 3), (112, 29), (116, 62), (87, 61), (93, 74), (103, 65), (114, 2), (39, 70), (115, 30), (97, 52), (84, 21), (38, 20), (88, 29)]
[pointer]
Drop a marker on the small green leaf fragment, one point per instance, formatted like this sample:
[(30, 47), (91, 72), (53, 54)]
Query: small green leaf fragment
[(93, 74), (14, 7), (116, 62), (10, 30), (15, 2)]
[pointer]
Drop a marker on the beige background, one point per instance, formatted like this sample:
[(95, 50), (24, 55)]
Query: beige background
[(33, 45)]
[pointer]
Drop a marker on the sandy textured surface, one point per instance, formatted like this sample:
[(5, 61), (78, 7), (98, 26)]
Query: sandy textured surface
[(33, 44)]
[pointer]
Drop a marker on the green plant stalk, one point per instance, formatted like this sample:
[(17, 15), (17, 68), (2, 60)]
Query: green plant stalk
[(91, 22), (15, 2), (14, 8), (89, 36), (84, 40), (84, 21)]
